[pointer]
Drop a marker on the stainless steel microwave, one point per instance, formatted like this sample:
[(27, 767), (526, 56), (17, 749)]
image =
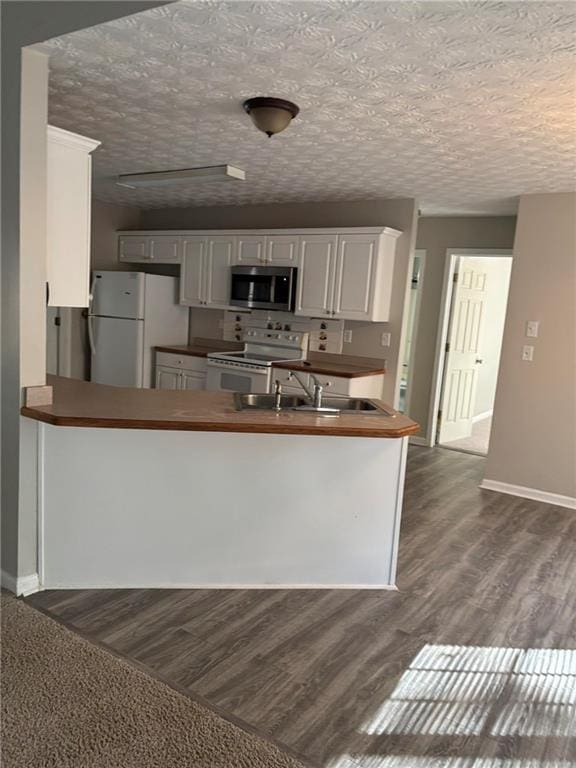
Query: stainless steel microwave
[(263, 287)]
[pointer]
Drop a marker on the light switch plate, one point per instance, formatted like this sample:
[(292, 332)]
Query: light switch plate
[(532, 329), (348, 337), (528, 353), (385, 339)]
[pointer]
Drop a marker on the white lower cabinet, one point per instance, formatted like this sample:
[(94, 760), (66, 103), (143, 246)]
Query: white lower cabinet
[(167, 378), (193, 380), (175, 371)]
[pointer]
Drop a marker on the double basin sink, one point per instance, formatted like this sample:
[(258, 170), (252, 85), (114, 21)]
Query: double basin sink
[(331, 406)]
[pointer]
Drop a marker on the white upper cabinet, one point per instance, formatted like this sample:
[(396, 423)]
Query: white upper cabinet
[(347, 276), (355, 273), (317, 265), (205, 273), (192, 289), (69, 175), (133, 248), (282, 250), (342, 273), (250, 249), (166, 249), (219, 259), (277, 250)]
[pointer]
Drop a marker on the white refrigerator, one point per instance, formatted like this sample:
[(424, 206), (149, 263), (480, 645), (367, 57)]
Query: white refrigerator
[(131, 313)]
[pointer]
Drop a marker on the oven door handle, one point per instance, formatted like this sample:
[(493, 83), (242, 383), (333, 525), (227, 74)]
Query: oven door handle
[(259, 370)]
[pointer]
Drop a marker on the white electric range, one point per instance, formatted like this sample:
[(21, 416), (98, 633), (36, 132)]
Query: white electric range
[(250, 370)]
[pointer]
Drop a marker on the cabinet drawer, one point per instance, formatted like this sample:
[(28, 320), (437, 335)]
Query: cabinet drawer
[(184, 362)]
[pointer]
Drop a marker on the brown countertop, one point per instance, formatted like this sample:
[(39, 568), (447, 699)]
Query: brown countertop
[(200, 347), (83, 404), (346, 366)]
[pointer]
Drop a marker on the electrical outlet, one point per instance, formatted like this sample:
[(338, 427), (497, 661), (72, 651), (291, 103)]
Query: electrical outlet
[(348, 337), (527, 353), (532, 329), (385, 339)]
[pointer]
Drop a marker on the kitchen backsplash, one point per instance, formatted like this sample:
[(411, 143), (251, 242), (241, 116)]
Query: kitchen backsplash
[(324, 335), (365, 341)]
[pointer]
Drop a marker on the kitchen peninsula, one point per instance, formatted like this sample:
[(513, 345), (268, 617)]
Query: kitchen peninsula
[(155, 488)]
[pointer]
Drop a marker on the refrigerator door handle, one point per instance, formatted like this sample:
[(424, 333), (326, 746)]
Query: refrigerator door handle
[(91, 294), (91, 335)]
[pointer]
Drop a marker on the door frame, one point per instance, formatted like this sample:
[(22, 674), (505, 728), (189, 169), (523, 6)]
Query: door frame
[(64, 341), (452, 254), (421, 254)]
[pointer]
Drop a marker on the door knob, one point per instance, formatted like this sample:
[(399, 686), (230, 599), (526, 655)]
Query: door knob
[(479, 361)]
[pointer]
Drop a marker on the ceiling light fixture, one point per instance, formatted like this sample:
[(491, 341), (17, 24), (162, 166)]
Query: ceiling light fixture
[(183, 176), (270, 115)]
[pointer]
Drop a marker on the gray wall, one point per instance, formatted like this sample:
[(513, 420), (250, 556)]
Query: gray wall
[(533, 441), (435, 236), (25, 23), (398, 213)]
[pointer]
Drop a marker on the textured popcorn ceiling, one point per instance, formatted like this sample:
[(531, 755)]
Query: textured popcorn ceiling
[(463, 105)]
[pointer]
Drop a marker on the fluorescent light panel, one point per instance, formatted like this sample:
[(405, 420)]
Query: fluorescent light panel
[(183, 176)]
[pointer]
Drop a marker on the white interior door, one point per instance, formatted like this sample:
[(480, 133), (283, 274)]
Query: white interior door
[(463, 354)]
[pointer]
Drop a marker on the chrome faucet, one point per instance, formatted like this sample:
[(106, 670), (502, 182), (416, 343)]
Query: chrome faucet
[(315, 395), (277, 395)]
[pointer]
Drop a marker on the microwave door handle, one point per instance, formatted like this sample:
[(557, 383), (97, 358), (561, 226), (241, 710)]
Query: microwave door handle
[(273, 289)]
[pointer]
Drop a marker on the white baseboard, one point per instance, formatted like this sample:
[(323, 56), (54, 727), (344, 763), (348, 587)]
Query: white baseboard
[(22, 585), (222, 586), (529, 493), (482, 416), (419, 441)]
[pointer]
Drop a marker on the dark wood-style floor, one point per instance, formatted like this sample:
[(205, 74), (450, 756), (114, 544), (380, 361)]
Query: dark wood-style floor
[(474, 657)]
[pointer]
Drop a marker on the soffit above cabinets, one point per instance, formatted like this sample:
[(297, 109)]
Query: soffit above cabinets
[(464, 106)]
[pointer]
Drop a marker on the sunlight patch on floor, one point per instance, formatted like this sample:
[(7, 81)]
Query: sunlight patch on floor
[(411, 761), (453, 690)]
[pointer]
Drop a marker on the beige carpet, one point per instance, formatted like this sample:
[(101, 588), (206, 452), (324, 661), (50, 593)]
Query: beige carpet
[(69, 704)]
